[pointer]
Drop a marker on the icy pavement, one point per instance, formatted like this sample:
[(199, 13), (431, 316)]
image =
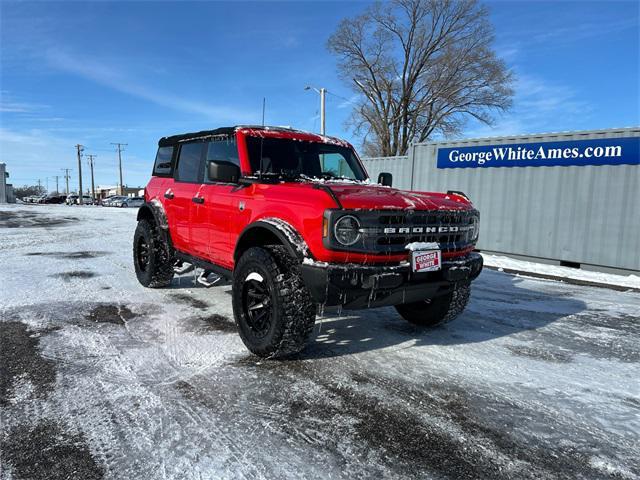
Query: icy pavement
[(101, 378)]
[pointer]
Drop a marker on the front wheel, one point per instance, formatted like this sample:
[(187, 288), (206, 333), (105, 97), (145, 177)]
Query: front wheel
[(439, 310), (273, 309), (152, 257)]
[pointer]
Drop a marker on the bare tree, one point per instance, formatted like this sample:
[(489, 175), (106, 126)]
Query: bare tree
[(28, 190), (422, 67)]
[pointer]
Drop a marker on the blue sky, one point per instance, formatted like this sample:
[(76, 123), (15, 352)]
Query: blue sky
[(131, 72)]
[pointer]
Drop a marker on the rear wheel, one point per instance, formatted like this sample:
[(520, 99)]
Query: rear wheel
[(151, 256), (439, 310), (272, 307)]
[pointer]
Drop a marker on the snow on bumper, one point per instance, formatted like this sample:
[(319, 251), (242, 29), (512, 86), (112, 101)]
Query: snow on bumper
[(359, 286)]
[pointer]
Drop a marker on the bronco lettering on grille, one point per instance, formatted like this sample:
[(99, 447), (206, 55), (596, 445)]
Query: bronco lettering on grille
[(443, 229)]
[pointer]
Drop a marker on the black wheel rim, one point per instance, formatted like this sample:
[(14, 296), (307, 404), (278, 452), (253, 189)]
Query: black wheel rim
[(257, 306), (142, 254)]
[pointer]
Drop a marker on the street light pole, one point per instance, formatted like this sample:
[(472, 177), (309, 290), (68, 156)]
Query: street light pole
[(322, 92), (322, 110)]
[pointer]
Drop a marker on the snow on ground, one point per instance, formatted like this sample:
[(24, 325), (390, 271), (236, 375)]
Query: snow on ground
[(102, 378), (499, 261)]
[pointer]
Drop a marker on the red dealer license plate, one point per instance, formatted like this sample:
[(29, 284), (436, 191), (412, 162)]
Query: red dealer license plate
[(428, 261)]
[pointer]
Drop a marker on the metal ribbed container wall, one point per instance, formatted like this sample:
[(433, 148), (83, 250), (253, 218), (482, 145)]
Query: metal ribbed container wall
[(587, 214)]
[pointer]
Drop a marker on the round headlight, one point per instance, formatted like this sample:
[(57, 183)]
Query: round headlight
[(346, 230)]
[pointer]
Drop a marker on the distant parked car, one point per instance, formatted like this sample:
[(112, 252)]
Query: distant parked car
[(110, 201), (71, 199), (117, 202), (105, 200), (86, 200), (55, 199), (132, 202)]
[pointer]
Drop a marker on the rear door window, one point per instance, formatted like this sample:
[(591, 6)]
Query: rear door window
[(162, 165), (189, 162)]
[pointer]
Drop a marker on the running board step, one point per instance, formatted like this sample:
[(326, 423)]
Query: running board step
[(208, 278), (183, 268)]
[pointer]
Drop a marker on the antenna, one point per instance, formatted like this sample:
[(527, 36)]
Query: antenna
[(264, 104)]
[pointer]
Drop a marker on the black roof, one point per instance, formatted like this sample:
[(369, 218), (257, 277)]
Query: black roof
[(175, 139)]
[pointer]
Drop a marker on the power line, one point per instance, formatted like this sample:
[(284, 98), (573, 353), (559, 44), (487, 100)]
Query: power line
[(339, 96)]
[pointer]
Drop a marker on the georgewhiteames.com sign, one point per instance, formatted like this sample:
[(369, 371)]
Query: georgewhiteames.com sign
[(606, 151)]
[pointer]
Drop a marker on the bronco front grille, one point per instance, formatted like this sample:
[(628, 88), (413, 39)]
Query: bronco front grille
[(390, 232)]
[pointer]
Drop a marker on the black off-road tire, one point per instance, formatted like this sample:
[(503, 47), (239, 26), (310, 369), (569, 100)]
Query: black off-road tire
[(285, 329), (157, 271), (440, 310)]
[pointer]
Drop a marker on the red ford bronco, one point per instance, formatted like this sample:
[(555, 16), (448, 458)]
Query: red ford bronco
[(292, 219)]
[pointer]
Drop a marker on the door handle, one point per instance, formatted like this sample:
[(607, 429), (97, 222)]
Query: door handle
[(168, 194), (197, 200)]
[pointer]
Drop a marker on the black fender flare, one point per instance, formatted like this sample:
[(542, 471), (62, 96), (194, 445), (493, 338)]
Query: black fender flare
[(154, 210), (283, 231)]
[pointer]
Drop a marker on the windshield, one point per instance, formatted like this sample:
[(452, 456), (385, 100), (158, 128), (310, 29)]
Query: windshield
[(302, 159)]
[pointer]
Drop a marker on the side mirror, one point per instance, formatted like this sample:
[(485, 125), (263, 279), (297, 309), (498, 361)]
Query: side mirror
[(385, 179), (223, 171)]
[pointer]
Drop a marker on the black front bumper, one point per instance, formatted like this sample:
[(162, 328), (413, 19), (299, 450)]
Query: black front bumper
[(358, 286)]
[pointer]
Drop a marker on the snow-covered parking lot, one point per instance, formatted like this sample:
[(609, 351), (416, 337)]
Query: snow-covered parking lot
[(102, 378)]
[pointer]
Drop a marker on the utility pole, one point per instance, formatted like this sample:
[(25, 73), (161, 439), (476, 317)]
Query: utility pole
[(39, 186), (120, 145), (80, 148), (93, 187), (47, 180), (66, 177), (56, 177)]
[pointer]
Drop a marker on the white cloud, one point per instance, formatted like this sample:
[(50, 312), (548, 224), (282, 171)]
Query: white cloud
[(582, 30), (33, 154), (539, 106), (117, 79), (37, 154), (9, 104), (348, 103)]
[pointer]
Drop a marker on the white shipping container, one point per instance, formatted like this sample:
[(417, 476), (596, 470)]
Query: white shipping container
[(585, 214)]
